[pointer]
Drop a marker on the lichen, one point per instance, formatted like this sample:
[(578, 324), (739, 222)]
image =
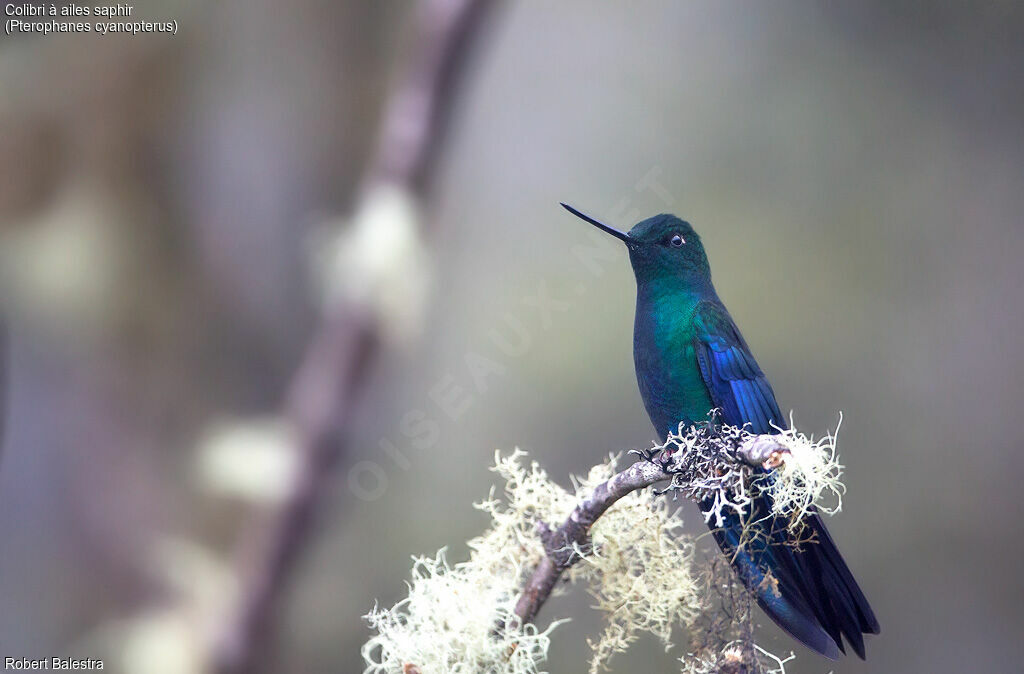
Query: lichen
[(639, 565), (448, 622), (639, 569), (706, 467), (736, 658), (809, 476)]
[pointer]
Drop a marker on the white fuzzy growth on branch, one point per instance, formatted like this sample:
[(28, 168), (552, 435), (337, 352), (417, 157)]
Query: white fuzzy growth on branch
[(446, 624), (638, 569), (724, 468), (809, 476), (634, 557), (734, 658), (378, 260)]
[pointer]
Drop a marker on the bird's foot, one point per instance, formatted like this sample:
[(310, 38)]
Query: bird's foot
[(775, 459)]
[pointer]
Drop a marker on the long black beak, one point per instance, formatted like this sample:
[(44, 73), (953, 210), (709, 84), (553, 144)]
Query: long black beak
[(596, 223)]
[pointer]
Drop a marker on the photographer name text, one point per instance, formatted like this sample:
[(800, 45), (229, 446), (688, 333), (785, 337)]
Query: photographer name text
[(51, 664)]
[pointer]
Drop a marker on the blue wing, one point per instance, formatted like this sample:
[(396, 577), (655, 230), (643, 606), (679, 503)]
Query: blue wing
[(815, 597), (734, 380)]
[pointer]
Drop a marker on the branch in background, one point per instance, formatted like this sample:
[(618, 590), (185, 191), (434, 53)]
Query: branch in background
[(334, 369), (416, 116), (561, 544)]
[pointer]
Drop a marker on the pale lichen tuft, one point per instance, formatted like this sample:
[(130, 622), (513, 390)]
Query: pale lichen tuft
[(808, 476), (639, 569), (706, 462), (448, 623), (638, 564)]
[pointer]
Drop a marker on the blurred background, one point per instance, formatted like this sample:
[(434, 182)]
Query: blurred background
[(166, 203)]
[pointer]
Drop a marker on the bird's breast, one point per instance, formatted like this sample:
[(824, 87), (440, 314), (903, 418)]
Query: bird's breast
[(667, 371)]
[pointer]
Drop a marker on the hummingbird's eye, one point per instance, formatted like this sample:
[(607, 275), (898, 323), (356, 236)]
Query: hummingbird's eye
[(677, 241)]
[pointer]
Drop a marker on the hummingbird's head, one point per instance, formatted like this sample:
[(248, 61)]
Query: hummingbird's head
[(661, 248)]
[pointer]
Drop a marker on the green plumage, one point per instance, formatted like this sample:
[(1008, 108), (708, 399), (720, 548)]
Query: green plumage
[(691, 359)]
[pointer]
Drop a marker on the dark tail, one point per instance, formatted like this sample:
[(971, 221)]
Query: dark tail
[(804, 586)]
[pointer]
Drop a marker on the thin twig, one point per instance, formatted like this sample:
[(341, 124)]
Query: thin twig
[(561, 544)]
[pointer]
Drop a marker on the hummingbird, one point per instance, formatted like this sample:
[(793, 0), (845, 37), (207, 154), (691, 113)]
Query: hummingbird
[(691, 361)]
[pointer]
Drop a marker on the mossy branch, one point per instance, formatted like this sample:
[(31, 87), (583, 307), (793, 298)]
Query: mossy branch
[(625, 545), (561, 544)]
